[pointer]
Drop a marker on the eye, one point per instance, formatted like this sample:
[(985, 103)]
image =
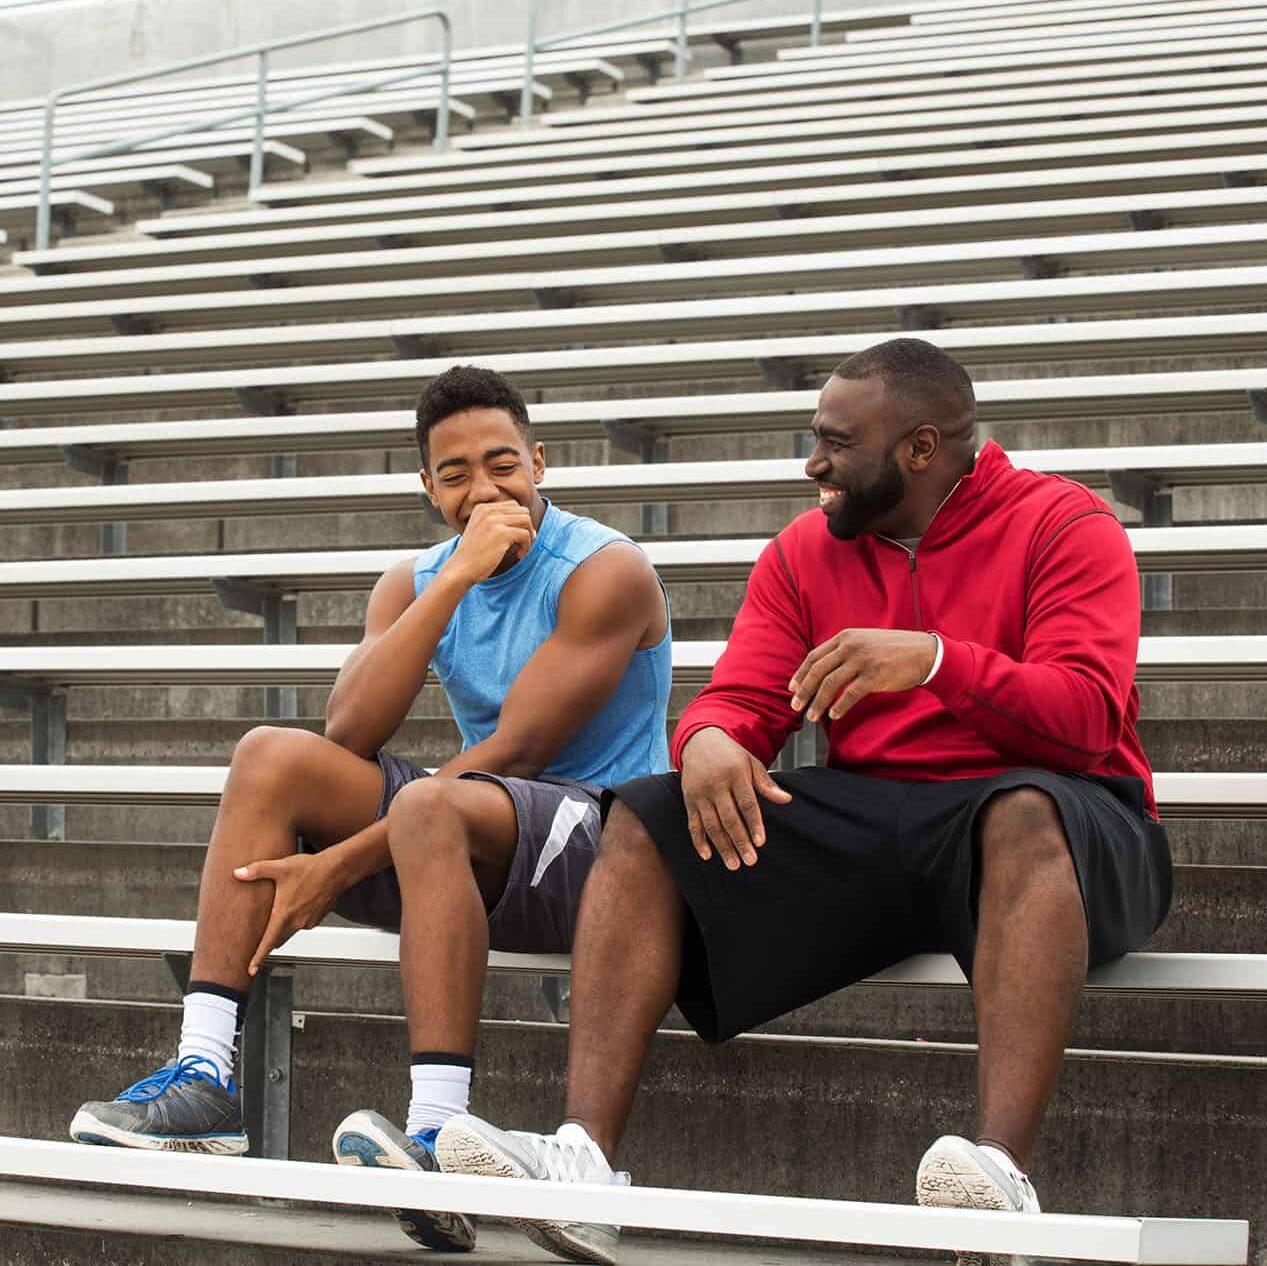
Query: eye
[(505, 470)]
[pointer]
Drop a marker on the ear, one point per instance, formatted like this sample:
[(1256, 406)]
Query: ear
[(924, 441), (428, 486), (538, 462)]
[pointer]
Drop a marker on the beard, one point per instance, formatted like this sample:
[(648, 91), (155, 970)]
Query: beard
[(862, 504)]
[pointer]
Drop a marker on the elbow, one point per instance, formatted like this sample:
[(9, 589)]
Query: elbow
[(345, 735)]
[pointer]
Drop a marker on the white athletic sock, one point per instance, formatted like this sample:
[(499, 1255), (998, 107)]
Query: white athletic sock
[(208, 1030), (440, 1091)]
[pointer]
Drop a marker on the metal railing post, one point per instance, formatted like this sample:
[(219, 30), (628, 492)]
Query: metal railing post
[(816, 25), (44, 215), (530, 52), (261, 109), (679, 57), (440, 139)]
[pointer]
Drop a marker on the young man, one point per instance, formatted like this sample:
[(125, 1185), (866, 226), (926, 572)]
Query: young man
[(966, 633), (550, 636)]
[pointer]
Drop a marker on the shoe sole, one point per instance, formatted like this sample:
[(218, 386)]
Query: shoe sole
[(462, 1151), (361, 1140), (949, 1182), (86, 1128)]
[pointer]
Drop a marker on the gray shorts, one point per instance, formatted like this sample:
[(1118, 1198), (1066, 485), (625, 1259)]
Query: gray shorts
[(558, 840)]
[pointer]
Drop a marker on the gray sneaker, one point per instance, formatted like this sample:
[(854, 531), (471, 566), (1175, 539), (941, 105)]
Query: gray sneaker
[(467, 1145), (370, 1139), (180, 1108), (957, 1174)]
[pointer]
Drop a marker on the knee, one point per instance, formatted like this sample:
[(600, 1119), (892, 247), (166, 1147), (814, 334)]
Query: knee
[(625, 840), (1023, 838), (425, 819), (272, 756)]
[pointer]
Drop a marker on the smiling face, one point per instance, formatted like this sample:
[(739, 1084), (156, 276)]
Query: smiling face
[(861, 483), (479, 456)]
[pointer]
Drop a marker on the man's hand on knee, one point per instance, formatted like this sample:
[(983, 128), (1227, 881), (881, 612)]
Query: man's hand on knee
[(304, 892), (721, 783)]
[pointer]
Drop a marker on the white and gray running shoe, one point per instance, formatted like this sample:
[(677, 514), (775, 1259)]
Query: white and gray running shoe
[(370, 1139), (957, 1174), (467, 1145)]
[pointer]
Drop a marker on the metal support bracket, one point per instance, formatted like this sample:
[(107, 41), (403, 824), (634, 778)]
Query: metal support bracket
[(1258, 403), (109, 468), (122, 323), (414, 346), (582, 84), (48, 744), (920, 316), (266, 1063), (1039, 267), (648, 445), (782, 375), (557, 992), (790, 211), (1154, 499), (268, 281), (279, 612), (262, 402), (680, 253), (509, 104), (733, 47), (800, 749), (180, 966), (392, 241), (1238, 180), (651, 64), (157, 189), (549, 297), (1147, 221)]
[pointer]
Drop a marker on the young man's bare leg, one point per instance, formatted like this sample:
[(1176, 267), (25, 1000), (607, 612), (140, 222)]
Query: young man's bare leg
[(452, 842), (282, 783)]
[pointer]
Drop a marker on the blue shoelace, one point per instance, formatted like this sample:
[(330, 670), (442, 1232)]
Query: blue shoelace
[(185, 1070), (426, 1139)]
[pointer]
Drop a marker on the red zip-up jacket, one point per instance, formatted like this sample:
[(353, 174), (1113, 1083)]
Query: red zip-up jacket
[(1030, 582)]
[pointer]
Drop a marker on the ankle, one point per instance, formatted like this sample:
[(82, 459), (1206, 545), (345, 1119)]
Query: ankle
[(1010, 1154)]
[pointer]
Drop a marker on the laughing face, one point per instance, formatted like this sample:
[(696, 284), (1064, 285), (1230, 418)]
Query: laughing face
[(854, 462)]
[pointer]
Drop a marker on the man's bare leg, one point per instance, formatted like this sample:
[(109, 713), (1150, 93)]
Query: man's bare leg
[(282, 783), (626, 964), (1031, 963), (452, 842)]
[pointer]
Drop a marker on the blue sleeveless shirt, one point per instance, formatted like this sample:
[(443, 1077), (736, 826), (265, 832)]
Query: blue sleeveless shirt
[(498, 626)]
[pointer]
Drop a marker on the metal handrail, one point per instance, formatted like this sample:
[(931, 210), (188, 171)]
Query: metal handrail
[(437, 66), (681, 12)]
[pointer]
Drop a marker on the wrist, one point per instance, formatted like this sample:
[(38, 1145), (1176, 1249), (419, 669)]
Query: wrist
[(455, 576)]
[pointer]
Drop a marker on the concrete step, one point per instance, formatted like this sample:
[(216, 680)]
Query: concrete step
[(104, 1226), (1217, 909), (822, 1117)]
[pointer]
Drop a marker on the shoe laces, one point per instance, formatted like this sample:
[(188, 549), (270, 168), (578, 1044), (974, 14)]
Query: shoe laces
[(575, 1159), (174, 1074)]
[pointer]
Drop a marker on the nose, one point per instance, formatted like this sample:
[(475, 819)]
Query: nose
[(482, 489), (816, 464)]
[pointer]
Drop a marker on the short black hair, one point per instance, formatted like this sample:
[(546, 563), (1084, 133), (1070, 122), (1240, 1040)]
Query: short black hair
[(463, 387), (926, 380)]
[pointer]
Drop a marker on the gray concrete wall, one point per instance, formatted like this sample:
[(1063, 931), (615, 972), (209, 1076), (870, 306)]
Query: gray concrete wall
[(50, 45)]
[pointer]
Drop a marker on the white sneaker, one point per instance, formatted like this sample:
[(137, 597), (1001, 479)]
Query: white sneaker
[(467, 1145), (956, 1174)]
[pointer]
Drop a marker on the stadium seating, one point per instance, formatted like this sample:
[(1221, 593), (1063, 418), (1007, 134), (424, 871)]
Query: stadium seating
[(205, 461)]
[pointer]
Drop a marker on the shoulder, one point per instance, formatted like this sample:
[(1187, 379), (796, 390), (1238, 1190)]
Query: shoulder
[(575, 537), (613, 584)]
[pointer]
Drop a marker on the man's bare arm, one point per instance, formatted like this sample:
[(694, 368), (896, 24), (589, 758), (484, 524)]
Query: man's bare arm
[(381, 678)]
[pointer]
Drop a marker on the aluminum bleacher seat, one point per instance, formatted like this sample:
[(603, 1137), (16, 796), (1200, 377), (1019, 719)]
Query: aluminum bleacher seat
[(1193, 394), (986, 261), (860, 314), (1176, 465), (1144, 214)]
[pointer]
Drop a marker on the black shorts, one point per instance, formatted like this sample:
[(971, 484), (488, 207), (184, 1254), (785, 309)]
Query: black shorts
[(859, 873), (558, 824)]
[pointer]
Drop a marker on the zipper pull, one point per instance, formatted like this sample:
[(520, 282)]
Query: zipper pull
[(911, 555)]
